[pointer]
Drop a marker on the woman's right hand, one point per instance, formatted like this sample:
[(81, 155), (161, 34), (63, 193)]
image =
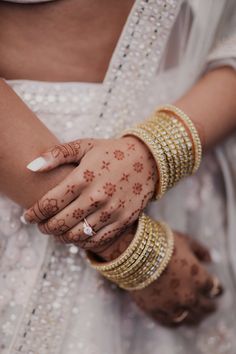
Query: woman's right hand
[(185, 293)]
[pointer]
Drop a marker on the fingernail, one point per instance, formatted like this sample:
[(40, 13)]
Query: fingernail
[(23, 220), (36, 164)]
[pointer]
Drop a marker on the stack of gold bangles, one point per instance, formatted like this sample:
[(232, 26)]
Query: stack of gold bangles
[(145, 258), (175, 145)]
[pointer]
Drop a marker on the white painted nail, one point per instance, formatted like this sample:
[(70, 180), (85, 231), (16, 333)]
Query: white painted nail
[(22, 219), (36, 164)]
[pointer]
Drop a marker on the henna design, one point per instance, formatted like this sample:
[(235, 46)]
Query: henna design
[(70, 189), (88, 176), (105, 165), (138, 167), (78, 213), (55, 226), (194, 270), (95, 204), (151, 176), (105, 216), (70, 149), (49, 207), (109, 189), (174, 283), (121, 204), (137, 188), (125, 177), (131, 146), (119, 155)]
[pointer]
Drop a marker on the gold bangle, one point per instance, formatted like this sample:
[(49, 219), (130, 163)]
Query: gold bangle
[(156, 266), (144, 259), (174, 143), (184, 118)]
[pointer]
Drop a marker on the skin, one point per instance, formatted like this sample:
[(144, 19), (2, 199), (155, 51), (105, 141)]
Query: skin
[(207, 102)]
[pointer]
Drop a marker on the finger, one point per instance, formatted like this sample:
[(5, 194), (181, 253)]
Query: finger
[(61, 154), (96, 221), (103, 238), (212, 287), (206, 305), (71, 215), (56, 199), (197, 313)]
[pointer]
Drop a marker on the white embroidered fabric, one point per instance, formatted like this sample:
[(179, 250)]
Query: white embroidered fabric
[(51, 302)]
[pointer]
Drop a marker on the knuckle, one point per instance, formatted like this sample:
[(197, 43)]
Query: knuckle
[(97, 196)]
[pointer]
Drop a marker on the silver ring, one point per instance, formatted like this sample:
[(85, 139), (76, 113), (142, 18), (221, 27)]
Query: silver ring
[(181, 317), (87, 228)]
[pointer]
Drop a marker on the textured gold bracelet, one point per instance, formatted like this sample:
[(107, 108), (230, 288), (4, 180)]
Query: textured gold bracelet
[(184, 118), (174, 143), (159, 268), (144, 259), (108, 266)]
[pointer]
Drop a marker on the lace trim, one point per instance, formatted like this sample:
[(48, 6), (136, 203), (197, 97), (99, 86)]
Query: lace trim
[(136, 58)]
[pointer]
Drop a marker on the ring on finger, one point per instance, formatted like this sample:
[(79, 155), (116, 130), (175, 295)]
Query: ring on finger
[(88, 230), (181, 317)]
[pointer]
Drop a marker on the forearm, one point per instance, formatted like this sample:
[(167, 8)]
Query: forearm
[(211, 104), (23, 138)]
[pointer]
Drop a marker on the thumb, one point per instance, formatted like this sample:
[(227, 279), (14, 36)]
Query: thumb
[(61, 154)]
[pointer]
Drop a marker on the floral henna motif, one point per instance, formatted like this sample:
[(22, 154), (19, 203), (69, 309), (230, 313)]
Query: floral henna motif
[(137, 188), (109, 189), (105, 216), (70, 189), (194, 270), (125, 177), (105, 165), (131, 147), (56, 226), (89, 176), (138, 167), (119, 155), (78, 213), (121, 204), (49, 207)]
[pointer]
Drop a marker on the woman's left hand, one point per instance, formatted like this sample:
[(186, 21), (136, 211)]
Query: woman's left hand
[(112, 184)]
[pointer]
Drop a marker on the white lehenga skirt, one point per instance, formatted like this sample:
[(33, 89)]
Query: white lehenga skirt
[(52, 302)]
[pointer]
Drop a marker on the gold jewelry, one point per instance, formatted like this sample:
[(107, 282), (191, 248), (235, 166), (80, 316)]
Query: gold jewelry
[(193, 133), (145, 258), (174, 143)]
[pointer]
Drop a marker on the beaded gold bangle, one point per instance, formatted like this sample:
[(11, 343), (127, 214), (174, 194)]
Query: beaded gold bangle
[(145, 258), (193, 133), (174, 143)]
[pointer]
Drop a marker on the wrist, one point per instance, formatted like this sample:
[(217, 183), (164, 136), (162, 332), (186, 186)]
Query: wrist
[(118, 246)]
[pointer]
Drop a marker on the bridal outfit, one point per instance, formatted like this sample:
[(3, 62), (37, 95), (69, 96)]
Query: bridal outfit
[(51, 302)]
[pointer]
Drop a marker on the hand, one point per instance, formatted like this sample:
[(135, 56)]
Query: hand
[(185, 292), (112, 184)]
